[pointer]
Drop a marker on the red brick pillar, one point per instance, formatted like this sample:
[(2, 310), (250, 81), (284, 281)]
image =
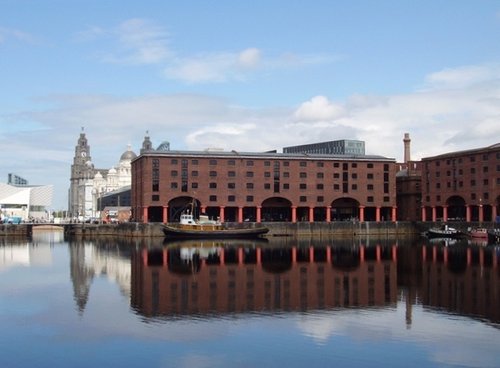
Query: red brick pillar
[(423, 214), (311, 214), (494, 213), (165, 214), (445, 213), (328, 213), (361, 213), (145, 215), (481, 215), (433, 213), (240, 214), (259, 214), (394, 214), (377, 214), (467, 213), (222, 213), (294, 214)]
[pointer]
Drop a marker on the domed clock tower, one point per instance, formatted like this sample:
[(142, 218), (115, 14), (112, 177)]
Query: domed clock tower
[(82, 173)]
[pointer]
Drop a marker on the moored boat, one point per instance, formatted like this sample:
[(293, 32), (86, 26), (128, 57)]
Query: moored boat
[(444, 231), (494, 236), (478, 233), (189, 227)]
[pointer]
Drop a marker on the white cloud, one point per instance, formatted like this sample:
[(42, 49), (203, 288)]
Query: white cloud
[(10, 33), (137, 41), (318, 108)]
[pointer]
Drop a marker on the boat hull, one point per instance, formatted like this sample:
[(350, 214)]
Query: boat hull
[(437, 233), (236, 233)]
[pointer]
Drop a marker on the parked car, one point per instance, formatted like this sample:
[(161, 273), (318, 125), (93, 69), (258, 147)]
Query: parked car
[(13, 220)]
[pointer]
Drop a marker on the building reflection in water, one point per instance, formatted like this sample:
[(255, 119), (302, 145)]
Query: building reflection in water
[(203, 277), (462, 278), (222, 277)]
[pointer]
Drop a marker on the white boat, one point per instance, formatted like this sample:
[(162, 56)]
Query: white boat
[(444, 231)]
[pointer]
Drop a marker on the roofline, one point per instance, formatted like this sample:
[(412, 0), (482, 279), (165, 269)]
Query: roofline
[(465, 152), (265, 155)]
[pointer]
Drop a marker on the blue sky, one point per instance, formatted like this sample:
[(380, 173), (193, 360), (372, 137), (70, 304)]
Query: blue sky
[(242, 75)]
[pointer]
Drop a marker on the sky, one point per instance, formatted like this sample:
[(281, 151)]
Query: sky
[(249, 76)]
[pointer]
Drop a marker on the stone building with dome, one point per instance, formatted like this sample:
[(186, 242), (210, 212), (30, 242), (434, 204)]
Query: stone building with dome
[(88, 183)]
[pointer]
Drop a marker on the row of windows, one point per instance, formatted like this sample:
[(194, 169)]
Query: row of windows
[(250, 198), (484, 157), (486, 182), (302, 186), (473, 196), (267, 174), (214, 162), (461, 172)]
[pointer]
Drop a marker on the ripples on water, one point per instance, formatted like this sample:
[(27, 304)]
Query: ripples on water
[(286, 302)]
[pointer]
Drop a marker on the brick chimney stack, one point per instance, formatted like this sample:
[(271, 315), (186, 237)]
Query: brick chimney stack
[(407, 141)]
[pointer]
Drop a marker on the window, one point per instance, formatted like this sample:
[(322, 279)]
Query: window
[(286, 174), (213, 173), (249, 174), (231, 198), (249, 198), (249, 185), (286, 163), (155, 197), (472, 183), (486, 195), (320, 175), (438, 198), (303, 186), (267, 186), (320, 164), (212, 198), (354, 165), (336, 187), (320, 199), (267, 174), (194, 185), (473, 170), (303, 199), (194, 162), (472, 159), (438, 185), (386, 199), (319, 186), (303, 164), (485, 169), (354, 187), (369, 176), (386, 167), (213, 162), (485, 182), (173, 185), (473, 196), (212, 185), (250, 163), (336, 164), (336, 176), (354, 175), (286, 186), (485, 157), (370, 166), (173, 173), (231, 185), (194, 173), (369, 187), (231, 174), (267, 163), (369, 199), (173, 161), (303, 175), (231, 162)]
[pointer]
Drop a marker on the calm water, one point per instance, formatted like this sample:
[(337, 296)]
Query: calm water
[(285, 302)]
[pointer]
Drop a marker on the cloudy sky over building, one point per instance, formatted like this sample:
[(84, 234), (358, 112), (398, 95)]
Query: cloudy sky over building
[(243, 75)]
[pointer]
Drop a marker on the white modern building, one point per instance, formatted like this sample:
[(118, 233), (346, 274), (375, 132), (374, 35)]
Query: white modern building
[(29, 202)]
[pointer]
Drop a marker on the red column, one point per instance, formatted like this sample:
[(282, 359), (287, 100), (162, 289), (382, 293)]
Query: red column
[(423, 214), (240, 256), (480, 213), (394, 217), (424, 253), (445, 213), (379, 255), (377, 214), (467, 213), (294, 255), (259, 256), (494, 212), (221, 256), (240, 214), (328, 213), (362, 253), (222, 213), (394, 254), (165, 258), (311, 254), (361, 213), (294, 214), (259, 215), (203, 209), (165, 216), (145, 257), (145, 215), (311, 214), (433, 213), (328, 254)]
